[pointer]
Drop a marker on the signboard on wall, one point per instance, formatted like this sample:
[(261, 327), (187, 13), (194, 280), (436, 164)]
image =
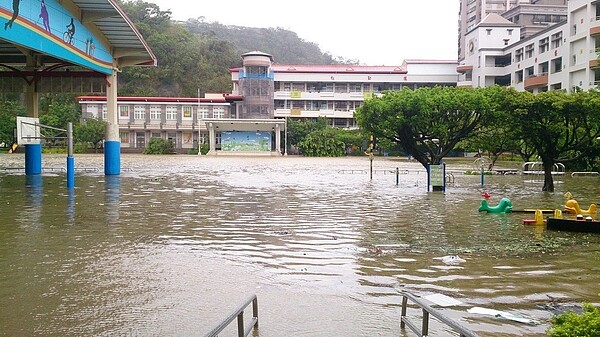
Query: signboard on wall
[(47, 27), (245, 141)]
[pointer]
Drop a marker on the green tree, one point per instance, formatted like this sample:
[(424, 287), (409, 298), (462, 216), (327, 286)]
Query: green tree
[(298, 129), (322, 143), (57, 111), (497, 133), (90, 132), (562, 127), (428, 122), (9, 110)]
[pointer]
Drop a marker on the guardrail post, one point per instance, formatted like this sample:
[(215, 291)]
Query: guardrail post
[(241, 328), (255, 311), (403, 313), (425, 324), (397, 176)]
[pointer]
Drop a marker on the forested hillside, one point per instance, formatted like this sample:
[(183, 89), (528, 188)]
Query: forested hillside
[(195, 56)]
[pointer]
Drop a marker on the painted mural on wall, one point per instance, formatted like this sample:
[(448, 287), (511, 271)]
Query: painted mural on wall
[(45, 26), (245, 141)]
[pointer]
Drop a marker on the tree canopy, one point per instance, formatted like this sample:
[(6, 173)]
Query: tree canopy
[(428, 122)]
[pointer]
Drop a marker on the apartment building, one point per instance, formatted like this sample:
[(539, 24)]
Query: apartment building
[(252, 118), (562, 56), (530, 15)]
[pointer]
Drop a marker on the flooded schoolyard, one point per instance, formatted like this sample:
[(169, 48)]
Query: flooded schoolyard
[(174, 243)]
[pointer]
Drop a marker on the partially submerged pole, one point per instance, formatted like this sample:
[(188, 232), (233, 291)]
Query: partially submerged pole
[(70, 158)]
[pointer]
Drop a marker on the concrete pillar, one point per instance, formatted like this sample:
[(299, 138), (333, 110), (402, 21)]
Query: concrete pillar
[(112, 143), (33, 152), (212, 139), (278, 138)]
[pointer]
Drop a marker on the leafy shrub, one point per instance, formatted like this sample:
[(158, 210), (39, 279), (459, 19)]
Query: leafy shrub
[(159, 146), (80, 148), (321, 143), (204, 149), (568, 324)]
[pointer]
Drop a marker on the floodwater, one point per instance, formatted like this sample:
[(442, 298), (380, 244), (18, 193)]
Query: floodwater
[(175, 243)]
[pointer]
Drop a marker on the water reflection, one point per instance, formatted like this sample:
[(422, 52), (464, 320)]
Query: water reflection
[(170, 249)]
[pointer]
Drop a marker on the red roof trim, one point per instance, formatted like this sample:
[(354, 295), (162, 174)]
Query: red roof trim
[(227, 98)]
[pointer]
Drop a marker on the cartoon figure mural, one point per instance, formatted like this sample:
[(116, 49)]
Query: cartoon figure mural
[(69, 33), (15, 7), (44, 16), (36, 24)]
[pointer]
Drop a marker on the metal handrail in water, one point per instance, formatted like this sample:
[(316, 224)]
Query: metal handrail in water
[(243, 331), (428, 310)]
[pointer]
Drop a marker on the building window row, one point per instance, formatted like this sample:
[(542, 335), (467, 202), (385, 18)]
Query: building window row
[(317, 105), (155, 112), (341, 87)]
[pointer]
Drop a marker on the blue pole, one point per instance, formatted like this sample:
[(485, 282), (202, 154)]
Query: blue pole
[(70, 159), (70, 172), (33, 159), (112, 157)]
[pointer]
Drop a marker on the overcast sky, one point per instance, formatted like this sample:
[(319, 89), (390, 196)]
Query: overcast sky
[(376, 33)]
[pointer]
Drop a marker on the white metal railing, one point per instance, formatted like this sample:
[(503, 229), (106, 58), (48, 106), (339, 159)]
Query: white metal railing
[(429, 311), (242, 329)]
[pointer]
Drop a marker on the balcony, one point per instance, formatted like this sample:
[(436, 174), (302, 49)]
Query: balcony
[(464, 69), (536, 81), (467, 84)]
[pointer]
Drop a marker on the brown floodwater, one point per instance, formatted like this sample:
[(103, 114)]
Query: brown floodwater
[(174, 243)]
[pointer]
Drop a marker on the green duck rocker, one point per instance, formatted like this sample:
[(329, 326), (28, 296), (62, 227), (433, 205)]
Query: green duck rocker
[(504, 206)]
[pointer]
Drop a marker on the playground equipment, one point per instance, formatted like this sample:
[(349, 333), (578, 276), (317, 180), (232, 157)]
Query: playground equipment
[(537, 220), (29, 135), (572, 206), (504, 206)]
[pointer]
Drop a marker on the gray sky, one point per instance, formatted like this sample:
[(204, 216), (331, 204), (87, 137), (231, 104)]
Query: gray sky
[(379, 33)]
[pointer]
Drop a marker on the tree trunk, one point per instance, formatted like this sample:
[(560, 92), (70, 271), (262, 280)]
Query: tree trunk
[(548, 179)]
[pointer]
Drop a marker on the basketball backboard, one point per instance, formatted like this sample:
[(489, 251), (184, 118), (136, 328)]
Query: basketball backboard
[(28, 130)]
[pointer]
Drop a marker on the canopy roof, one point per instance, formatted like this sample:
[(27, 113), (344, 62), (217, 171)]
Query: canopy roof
[(124, 40)]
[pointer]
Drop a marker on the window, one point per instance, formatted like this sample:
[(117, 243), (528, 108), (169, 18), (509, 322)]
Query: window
[(123, 111), (218, 112), (544, 45), (529, 51), (355, 87), (528, 72), (327, 87), (556, 40), (341, 87), (187, 112), (280, 104), (202, 112), (171, 112), (341, 106), (287, 86), (298, 87), (92, 110), (519, 76), (124, 136), (556, 65), (519, 55), (155, 135), (139, 112), (155, 112), (104, 111)]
